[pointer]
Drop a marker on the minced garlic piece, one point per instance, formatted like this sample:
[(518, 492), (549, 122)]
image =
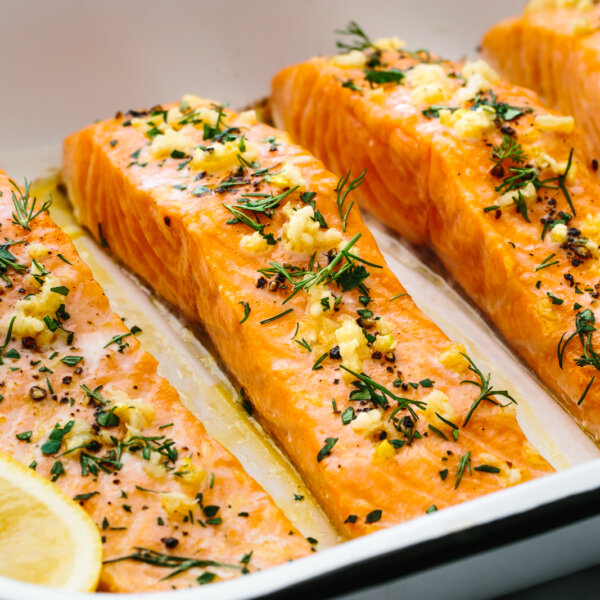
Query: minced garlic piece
[(453, 358), (430, 84), (590, 228), (318, 329), (208, 116), (384, 343), (302, 233), (288, 176), (544, 161), (480, 67), (177, 506), (376, 95), (80, 435), (190, 474), (593, 248), (354, 59), (389, 43), (367, 422), (479, 78), (528, 193), (222, 156), (554, 123), (581, 26), (437, 402), (136, 414), (430, 93), (37, 251), (154, 468), (547, 310), (469, 123), (510, 475), (321, 299), (174, 117), (423, 74), (353, 345), (559, 233), (192, 101), (247, 117), (163, 145), (29, 312), (254, 242), (156, 121), (384, 450)]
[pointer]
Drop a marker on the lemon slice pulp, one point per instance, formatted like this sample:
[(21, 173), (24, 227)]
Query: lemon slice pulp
[(45, 537)]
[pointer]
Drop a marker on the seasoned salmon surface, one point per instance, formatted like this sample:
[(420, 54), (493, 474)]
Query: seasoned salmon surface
[(81, 403), (244, 231), (554, 49), (479, 169)]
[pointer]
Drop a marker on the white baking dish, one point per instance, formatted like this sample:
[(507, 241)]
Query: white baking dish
[(68, 63)]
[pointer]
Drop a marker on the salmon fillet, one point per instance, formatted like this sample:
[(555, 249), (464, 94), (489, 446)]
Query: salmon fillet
[(244, 231), (82, 403), (556, 52), (479, 169)]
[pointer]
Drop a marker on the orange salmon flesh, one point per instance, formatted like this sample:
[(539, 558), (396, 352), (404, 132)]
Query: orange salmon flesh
[(479, 169), (555, 52), (82, 403), (244, 231)]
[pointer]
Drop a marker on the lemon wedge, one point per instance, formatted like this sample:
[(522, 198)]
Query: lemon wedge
[(45, 537)]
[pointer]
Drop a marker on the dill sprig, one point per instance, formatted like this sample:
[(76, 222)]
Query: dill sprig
[(343, 193), (360, 42), (486, 391), (509, 149), (25, 205)]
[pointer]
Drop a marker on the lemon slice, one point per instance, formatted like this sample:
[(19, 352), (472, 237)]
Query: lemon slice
[(45, 537)]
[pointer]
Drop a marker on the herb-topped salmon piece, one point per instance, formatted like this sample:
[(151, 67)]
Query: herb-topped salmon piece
[(479, 169), (82, 404), (554, 49), (248, 233)]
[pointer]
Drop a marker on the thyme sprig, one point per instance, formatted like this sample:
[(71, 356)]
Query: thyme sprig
[(179, 564), (463, 463), (486, 392), (369, 389), (266, 202), (584, 328), (348, 276)]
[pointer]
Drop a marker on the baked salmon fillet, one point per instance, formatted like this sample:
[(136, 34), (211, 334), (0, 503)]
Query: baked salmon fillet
[(245, 232), (82, 403), (554, 49), (479, 169)]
